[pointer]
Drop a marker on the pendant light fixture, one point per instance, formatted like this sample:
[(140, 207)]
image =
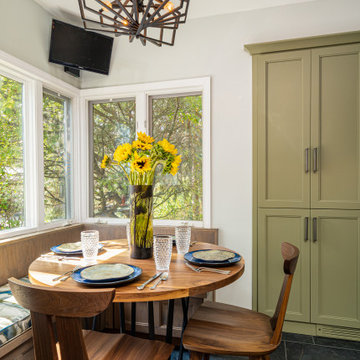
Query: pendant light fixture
[(155, 21)]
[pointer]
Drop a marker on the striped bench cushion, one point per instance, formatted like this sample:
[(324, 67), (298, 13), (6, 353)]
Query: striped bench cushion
[(14, 319)]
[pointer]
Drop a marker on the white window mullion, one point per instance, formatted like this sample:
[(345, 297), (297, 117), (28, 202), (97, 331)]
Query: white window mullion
[(142, 122), (77, 175), (206, 114), (82, 176), (32, 163)]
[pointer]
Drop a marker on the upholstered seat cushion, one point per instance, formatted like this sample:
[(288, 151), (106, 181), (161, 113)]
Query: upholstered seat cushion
[(14, 319)]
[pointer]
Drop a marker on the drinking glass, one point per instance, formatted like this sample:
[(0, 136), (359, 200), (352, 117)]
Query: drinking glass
[(162, 252), (90, 244), (182, 238)]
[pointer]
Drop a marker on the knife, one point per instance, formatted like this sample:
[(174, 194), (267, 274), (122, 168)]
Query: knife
[(142, 286)]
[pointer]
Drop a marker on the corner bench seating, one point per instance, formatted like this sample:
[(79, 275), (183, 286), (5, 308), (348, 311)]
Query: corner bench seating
[(16, 254), (14, 319)]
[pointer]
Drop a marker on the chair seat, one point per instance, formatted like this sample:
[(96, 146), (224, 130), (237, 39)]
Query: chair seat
[(229, 330), (103, 346)]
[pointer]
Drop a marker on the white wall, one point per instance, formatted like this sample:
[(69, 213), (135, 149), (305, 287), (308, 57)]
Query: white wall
[(25, 29), (214, 46)]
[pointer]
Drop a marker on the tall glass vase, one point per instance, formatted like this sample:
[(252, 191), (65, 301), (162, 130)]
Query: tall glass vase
[(141, 221)]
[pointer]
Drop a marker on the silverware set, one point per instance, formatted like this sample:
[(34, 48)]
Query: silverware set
[(142, 286), (59, 257), (202, 268), (164, 276), (66, 275)]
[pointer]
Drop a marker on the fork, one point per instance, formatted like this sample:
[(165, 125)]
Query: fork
[(66, 274), (201, 268)]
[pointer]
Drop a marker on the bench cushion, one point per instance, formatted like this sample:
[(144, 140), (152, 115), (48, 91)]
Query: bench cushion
[(14, 319)]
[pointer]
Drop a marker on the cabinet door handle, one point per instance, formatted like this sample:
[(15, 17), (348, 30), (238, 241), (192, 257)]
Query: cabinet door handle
[(315, 229), (315, 160), (306, 228), (306, 160)]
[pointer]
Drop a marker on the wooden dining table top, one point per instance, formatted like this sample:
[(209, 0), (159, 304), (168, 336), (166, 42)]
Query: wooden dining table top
[(182, 281)]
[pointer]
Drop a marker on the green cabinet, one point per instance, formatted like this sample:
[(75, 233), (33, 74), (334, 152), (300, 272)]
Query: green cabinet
[(307, 180), (275, 227), (284, 129), (335, 127), (335, 267)]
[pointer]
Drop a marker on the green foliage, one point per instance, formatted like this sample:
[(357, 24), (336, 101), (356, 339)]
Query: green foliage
[(54, 122), (11, 155), (177, 119), (113, 125)]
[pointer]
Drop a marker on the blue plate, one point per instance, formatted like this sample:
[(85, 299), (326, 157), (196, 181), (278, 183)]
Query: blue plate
[(191, 259), (76, 252), (106, 283)]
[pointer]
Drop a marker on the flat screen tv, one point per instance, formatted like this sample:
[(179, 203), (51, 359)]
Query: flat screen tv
[(75, 47)]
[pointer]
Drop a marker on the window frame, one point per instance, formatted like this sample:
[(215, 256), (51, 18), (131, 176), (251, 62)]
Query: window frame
[(143, 93), (34, 82)]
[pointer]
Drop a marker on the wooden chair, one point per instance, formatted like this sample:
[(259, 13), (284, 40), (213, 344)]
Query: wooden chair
[(229, 330), (68, 307)]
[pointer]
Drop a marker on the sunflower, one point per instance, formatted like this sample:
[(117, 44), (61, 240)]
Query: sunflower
[(105, 162), (122, 152), (146, 139), (170, 148), (175, 165), (137, 144), (140, 164)]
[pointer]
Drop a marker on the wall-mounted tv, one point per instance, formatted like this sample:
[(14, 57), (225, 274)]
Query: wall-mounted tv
[(75, 47)]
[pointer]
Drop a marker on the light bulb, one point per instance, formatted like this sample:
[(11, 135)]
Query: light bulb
[(108, 3), (125, 22), (169, 6)]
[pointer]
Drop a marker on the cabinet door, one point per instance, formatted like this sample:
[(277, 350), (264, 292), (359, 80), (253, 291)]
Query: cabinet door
[(275, 227), (284, 129), (335, 127), (335, 268)]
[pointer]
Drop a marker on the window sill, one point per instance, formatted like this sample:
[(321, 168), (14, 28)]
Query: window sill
[(112, 221), (23, 233)]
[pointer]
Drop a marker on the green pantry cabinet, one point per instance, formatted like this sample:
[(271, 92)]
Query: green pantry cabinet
[(306, 110)]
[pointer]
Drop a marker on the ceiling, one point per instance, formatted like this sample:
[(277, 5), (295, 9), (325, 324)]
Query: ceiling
[(68, 10)]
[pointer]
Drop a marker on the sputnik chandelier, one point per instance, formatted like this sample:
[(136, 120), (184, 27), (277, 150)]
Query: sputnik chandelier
[(155, 21)]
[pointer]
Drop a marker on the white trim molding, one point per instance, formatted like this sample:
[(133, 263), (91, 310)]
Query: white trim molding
[(142, 94)]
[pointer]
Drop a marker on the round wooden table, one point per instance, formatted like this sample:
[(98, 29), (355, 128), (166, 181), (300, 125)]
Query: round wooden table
[(182, 282)]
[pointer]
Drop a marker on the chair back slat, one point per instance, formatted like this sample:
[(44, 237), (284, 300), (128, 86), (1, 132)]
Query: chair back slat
[(67, 307), (290, 254)]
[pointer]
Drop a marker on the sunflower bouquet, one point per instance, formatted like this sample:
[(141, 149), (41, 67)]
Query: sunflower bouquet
[(140, 159)]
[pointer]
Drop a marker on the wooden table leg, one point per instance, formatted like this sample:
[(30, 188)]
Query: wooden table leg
[(151, 320), (170, 321), (122, 318), (133, 318), (185, 306)]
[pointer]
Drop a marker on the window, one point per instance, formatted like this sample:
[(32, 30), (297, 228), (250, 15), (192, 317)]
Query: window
[(57, 160), (12, 212), (112, 123), (179, 120), (36, 149), (176, 110)]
